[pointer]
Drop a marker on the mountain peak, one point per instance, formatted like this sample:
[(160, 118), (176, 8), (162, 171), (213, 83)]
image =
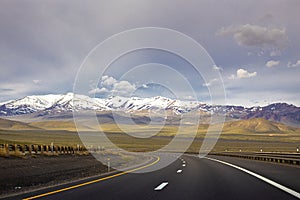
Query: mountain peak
[(61, 103)]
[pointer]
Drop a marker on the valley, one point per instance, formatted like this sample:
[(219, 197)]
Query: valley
[(246, 135)]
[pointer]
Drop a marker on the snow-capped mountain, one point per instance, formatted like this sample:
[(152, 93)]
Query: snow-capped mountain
[(51, 102), (56, 104), (70, 102), (153, 103)]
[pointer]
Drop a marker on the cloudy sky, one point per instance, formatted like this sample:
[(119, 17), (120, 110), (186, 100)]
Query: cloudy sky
[(255, 47)]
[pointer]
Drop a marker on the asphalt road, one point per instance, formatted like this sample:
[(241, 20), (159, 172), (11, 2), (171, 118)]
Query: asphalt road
[(198, 179)]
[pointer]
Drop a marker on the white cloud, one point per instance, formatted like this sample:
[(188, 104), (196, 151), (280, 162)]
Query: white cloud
[(211, 82), (110, 86), (35, 81), (297, 64), (189, 98), (274, 39), (123, 88), (108, 81), (216, 68), (250, 53), (275, 53), (98, 91), (242, 73), (232, 76), (272, 63), (145, 86)]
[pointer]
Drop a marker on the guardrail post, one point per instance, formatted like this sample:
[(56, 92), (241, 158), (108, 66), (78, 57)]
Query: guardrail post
[(23, 149), (6, 149), (51, 146), (39, 148), (10, 147), (42, 149), (15, 148), (35, 149)]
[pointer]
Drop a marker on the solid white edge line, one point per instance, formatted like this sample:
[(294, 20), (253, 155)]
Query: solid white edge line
[(277, 185), (161, 186)]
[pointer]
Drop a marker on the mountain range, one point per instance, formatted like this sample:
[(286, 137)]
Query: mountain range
[(63, 105)]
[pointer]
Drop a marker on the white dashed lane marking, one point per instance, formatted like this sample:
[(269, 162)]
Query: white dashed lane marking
[(161, 186)]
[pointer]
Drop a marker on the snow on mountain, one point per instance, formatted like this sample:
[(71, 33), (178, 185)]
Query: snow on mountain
[(153, 103), (35, 102), (58, 103), (51, 102), (28, 104), (69, 102)]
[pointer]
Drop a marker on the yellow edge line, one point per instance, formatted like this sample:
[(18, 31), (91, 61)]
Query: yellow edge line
[(91, 182)]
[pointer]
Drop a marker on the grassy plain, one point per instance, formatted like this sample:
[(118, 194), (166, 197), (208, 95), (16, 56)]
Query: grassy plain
[(245, 135)]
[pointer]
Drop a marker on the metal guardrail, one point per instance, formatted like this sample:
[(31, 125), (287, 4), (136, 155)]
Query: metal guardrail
[(24, 149), (284, 158)]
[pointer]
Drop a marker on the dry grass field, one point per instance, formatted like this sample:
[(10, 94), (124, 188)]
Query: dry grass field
[(246, 135)]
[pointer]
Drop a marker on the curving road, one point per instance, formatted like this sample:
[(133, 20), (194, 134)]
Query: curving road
[(190, 177)]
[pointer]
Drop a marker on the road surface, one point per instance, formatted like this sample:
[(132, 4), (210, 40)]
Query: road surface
[(189, 177)]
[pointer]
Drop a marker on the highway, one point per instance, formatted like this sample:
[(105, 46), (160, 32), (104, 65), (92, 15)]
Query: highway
[(189, 177)]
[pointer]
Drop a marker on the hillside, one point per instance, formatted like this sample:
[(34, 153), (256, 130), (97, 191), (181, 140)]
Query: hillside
[(249, 126), (6, 124), (55, 125), (258, 125)]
